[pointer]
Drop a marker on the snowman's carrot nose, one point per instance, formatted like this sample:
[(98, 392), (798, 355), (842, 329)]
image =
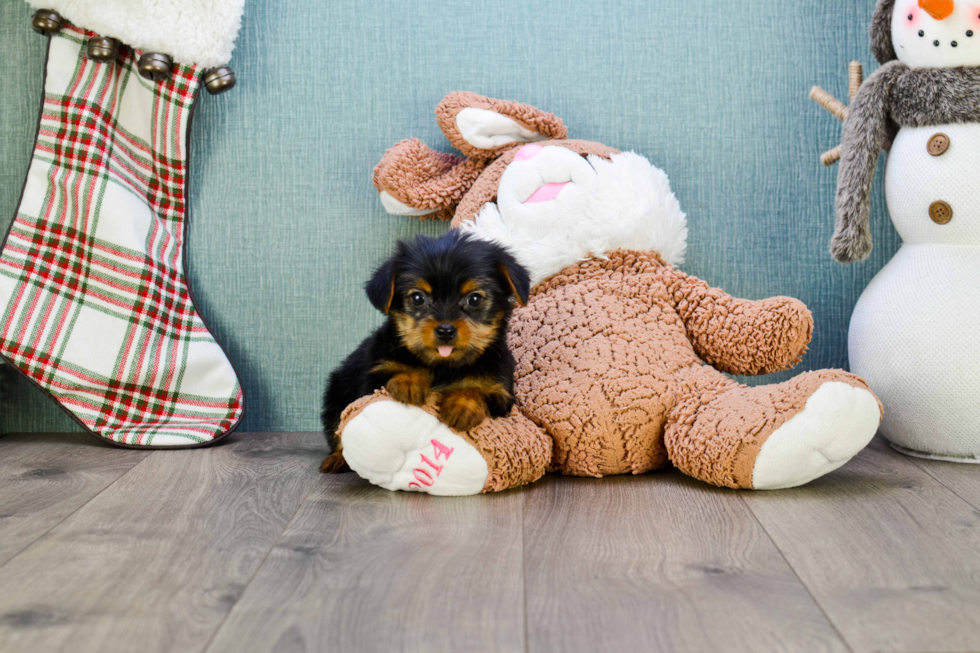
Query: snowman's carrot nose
[(938, 9)]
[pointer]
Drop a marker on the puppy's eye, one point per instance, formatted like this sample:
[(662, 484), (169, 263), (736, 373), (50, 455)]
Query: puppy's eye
[(475, 300), (417, 298)]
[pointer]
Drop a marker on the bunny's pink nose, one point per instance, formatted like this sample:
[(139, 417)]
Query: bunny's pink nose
[(528, 152)]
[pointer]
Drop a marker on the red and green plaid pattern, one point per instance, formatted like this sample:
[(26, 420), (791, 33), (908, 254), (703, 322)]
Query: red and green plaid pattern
[(96, 308)]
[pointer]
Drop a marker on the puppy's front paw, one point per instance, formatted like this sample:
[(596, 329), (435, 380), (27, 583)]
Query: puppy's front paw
[(463, 409), (409, 387)]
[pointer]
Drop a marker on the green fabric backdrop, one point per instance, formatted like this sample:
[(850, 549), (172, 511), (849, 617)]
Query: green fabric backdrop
[(286, 226)]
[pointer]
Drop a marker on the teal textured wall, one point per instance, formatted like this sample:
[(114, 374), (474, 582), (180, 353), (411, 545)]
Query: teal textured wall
[(285, 224)]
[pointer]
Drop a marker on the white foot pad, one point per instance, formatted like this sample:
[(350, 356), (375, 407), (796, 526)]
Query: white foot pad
[(837, 422), (401, 447)]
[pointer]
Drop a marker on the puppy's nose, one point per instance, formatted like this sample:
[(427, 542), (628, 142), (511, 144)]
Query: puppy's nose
[(445, 332)]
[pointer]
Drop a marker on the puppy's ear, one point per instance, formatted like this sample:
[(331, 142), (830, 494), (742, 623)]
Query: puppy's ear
[(483, 128), (516, 278), (381, 288)]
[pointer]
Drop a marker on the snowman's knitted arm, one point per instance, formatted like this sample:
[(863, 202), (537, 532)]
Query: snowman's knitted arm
[(740, 336), (865, 131)]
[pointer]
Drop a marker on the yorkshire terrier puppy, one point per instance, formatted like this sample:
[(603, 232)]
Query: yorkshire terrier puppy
[(448, 301)]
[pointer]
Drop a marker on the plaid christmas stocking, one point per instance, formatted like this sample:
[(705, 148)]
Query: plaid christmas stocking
[(96, 307)]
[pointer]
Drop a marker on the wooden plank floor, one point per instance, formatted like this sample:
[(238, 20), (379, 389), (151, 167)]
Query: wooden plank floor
[(245, 547)]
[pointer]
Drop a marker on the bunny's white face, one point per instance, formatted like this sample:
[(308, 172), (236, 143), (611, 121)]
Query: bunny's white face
[(555, 208), (937, 33), (545, 190)]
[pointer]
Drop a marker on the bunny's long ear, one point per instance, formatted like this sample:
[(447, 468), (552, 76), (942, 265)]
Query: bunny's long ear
[(482, 128), (415, 180)]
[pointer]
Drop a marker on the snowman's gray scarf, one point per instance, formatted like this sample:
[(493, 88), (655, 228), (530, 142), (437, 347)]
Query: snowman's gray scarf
[(894, 96)]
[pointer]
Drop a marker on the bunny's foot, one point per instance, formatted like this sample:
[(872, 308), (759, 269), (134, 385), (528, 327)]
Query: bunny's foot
[(837, 421), (769, 437), (401, 447)]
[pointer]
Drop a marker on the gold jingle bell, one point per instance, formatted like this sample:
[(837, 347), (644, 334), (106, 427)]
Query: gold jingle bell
[(47, 22), (102, 48), (155, 66), (218, 80)]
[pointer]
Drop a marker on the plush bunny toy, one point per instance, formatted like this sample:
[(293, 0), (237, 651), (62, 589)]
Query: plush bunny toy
[(913, 332), (619, 354)]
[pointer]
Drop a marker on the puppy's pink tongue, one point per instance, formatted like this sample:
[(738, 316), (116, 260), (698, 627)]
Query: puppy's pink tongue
[(445, 351)]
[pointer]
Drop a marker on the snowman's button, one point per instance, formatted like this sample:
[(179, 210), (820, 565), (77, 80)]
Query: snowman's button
[(938, 144), (940, 212)]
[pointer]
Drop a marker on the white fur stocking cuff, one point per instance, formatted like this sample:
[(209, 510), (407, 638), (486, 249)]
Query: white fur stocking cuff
[(199, 32)]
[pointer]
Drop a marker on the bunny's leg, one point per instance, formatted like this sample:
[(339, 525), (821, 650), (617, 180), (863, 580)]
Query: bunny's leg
[(402, 447), (768, 437)]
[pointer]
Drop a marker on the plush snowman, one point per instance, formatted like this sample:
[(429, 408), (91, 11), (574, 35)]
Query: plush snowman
[(914, 333)]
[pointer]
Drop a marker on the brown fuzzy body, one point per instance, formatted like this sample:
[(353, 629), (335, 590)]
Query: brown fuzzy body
[(605, 348)]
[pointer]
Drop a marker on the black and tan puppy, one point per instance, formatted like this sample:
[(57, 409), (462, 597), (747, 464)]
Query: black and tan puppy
[(448, 301)]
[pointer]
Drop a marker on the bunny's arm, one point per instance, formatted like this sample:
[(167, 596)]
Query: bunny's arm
[(415, 180), (865, 130), (740, 336)]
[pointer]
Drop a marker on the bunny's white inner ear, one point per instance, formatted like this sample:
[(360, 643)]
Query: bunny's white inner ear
[(394, 207), (487, 129)]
